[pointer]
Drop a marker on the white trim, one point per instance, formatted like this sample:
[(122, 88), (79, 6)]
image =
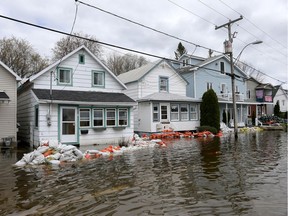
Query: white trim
[(10, 71)]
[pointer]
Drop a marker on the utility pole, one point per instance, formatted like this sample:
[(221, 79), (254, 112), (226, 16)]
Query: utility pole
[(230, 39)]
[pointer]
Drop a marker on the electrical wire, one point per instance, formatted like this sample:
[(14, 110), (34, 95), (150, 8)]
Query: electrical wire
[(144, 26), (116, 46)]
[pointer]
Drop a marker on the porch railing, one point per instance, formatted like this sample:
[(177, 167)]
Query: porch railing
[(228, 96)]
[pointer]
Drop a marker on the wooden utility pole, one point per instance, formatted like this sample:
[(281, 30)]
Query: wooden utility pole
[(230, 39)]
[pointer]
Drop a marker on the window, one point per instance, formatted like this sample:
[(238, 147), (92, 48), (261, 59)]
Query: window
[(248, 94), (65, 76), (174, 112), (155, 112), (193, 112), (249, 110), (110, 117), (36, 123), (223, 88), (122, 117), (98, 78), (163, 84), (283, 102), (84, 117), (222, 67), (209, 85), (184, 63), (81, 59), (184, 111), (237, 89), (98, 117)]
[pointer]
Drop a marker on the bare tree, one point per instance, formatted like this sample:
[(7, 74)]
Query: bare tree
[(119, 64), (69, 43), (19, 55)]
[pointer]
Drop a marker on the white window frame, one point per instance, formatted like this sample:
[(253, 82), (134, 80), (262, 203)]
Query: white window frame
[(120, 118), (222, 64), (174, 116), (193, 112), (156, 112), (60, 70), (163, 84), (81, 110), (108, 110), (182, 113), (97, 118), (102, 73), (209, 85)]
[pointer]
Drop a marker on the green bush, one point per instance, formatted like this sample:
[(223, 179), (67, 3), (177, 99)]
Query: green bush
[(209, 109), (208, 128)]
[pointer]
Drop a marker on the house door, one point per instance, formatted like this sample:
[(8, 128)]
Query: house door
[(68, 123), (164, 112)]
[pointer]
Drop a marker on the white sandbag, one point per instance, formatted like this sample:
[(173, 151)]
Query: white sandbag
[(40, 159), (65, 148), (54, 162), (44, 143), (53, 144), (42, 149), (55, 156), (21, 163), (78, 154)]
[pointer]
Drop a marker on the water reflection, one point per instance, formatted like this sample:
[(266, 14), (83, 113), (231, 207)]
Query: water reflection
[(209, 176)]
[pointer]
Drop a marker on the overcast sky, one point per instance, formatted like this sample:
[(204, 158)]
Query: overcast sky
[(191, 20)]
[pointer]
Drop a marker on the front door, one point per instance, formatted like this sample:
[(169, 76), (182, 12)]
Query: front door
[(164, 112), (68, 125)]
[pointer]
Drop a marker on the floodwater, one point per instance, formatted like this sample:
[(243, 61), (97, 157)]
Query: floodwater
[(207, 176)]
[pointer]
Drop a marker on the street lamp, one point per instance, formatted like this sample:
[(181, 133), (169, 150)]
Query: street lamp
[(252, 43), (233, 84)]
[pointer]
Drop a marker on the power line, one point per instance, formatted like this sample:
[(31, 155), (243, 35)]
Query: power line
[(144, 26), (253, 24), (119, 47)]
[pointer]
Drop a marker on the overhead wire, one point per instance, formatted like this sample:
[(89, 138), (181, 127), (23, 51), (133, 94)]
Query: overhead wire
[(253, 24), (107, 44), (144, 26)]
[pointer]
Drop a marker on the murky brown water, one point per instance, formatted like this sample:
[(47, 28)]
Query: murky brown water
[(189, 177)]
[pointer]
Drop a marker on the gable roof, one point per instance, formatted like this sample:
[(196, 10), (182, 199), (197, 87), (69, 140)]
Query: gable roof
[(265, 86), (84, 97), (208, 61), (138, 73), (10, 71), (70, 54)]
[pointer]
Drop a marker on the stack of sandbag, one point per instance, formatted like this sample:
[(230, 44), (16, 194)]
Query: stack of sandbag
[(50, 152)]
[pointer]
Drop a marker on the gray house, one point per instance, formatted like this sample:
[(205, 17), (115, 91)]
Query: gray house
[(8, 104)]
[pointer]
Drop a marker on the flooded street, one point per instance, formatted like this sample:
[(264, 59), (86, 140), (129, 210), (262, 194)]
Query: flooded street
[(198, 176)]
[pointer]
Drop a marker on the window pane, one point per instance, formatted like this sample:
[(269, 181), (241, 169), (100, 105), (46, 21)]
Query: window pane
[(64, 76), (123, 117), (110, 113), (174, 112), (155, 112), (98, 117), (84, 117), (163, 84), (184, 112), (98, 78)]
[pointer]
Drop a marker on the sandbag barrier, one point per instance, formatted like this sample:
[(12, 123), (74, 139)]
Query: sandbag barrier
[(170, 134), (50, 152)]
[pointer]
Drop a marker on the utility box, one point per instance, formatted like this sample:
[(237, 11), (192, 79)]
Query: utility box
[(227, 46)]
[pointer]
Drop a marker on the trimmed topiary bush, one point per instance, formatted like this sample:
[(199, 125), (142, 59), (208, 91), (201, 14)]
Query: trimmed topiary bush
[(210, 112)]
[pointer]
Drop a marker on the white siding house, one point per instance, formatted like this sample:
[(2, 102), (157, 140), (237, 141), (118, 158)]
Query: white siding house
[(161, 95), (76, 100), (280, 95), (8, 103)]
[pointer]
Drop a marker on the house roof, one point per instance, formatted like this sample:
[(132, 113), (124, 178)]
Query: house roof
[(4, 96), (206, 62), (83, 97), (10, 71), (138, 73), (70, 54), (165, 96), (264, 86)]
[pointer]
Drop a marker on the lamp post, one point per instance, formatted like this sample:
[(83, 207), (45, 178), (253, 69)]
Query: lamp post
[(252, 43)]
